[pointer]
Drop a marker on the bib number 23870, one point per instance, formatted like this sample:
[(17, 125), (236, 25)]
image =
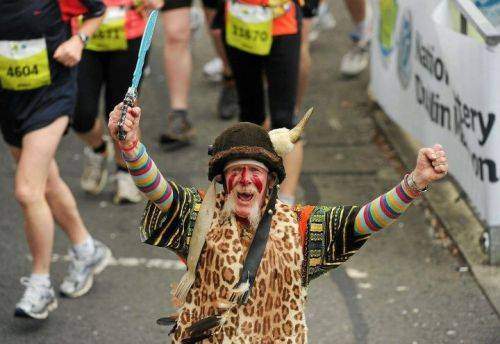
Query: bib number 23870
[(24, 65), (249, 28)]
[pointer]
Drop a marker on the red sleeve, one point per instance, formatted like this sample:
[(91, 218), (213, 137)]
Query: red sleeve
[(74, 8)]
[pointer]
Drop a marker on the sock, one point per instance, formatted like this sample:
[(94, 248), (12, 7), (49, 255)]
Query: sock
[(120, 168), (361, 32), (40, 279), (290, 200), (85, 249), (100, 149)]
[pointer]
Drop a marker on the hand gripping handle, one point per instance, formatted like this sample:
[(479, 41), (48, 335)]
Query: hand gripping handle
[(128, 102)]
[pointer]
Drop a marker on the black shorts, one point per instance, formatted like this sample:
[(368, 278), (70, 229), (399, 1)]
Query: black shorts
[(27, 111), (173, 4), (310, 8), (112, 70)]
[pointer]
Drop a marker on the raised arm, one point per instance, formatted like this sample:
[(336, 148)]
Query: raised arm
[(381, 212), (142, 168)]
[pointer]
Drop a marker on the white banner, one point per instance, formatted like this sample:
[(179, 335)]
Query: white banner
[(442, 87)]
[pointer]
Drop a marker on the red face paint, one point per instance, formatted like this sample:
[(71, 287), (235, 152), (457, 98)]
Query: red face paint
[(240, 175), (256, 179)]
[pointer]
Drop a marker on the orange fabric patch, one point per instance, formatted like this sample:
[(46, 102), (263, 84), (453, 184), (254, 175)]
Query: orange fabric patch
[(304, 215)]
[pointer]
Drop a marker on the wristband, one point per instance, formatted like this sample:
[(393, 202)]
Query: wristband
[(410, 183), (128, 149)]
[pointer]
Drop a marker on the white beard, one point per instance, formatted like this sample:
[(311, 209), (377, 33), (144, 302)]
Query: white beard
[(229, 208)]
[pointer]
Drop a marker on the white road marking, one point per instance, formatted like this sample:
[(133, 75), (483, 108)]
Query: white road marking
[(155, 263), (353, 273)]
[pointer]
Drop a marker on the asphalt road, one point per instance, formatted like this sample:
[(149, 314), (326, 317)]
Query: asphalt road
[(403, 287)]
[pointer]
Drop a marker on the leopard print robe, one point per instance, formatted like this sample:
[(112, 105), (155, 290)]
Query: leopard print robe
[(304, 243), (274, 312)]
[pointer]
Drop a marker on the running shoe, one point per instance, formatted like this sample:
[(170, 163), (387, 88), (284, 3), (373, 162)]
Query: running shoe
[(37, 301), (81, 270), (356, 59), (228, 106), (322, 22), (126, 190), (213, 69), (179, 132), (95, 169)]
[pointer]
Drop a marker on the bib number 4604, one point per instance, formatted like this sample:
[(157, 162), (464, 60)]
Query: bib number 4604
[(20, 71)]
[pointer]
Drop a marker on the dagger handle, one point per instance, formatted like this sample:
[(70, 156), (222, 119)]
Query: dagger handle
[(128, 102)]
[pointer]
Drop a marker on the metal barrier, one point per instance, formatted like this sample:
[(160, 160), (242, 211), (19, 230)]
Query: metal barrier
[(469, 13)]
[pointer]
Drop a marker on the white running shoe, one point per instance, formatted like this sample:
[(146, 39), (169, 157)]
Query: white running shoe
[(356, 59), (213, 69), (95, 169), (126, 191), (322, 22), (81, 270), (37, 301)]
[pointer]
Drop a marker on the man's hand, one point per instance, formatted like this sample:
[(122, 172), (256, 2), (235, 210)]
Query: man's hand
[(69, 53), (130, 126), (432, 165)]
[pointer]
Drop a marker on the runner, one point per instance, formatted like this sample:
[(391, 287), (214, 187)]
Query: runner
[(227, 104), (178, 67), (309, 12), (37, 59), (358, 57), (108, 61), (249, 256), (273, 54)]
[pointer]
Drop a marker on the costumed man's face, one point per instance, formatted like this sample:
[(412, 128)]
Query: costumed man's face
[(246, 186)]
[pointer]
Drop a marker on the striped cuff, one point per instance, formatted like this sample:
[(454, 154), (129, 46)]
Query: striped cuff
[(382, 211), (148, 178)]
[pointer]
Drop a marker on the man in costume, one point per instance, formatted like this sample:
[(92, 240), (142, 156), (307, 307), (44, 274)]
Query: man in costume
[(249, 256)]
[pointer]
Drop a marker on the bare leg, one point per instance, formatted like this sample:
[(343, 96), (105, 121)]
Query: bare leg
[(34, 160), (217, 40), (177, 56), (305, 63), (357, 9), (293, 166), (93, 138), (63, 206)]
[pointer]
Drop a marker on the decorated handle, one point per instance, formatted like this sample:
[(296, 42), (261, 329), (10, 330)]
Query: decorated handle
[(128, 102)]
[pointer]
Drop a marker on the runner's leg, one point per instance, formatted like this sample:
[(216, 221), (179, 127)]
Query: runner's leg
[(247, 70), (177, 55), (38, 150), (305, 63), (282, 69), (117, 76), (357, 10)]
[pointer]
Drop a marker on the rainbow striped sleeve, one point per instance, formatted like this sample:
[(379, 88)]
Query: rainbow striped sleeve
[(382, 211), (148, 178)]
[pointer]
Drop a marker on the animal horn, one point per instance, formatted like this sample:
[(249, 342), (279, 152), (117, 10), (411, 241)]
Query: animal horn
[(296, 132)]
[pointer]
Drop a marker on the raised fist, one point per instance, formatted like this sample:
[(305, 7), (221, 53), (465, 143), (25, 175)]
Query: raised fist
[(432, 165)]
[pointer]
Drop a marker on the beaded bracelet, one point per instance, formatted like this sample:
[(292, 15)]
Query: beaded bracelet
[(412, 186)]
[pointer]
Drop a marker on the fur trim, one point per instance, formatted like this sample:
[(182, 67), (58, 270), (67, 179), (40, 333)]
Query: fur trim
[(281, 141)]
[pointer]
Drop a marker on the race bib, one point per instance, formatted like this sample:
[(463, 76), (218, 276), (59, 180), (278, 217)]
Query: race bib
[(249, 28), (111, 33), (24, 65)]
